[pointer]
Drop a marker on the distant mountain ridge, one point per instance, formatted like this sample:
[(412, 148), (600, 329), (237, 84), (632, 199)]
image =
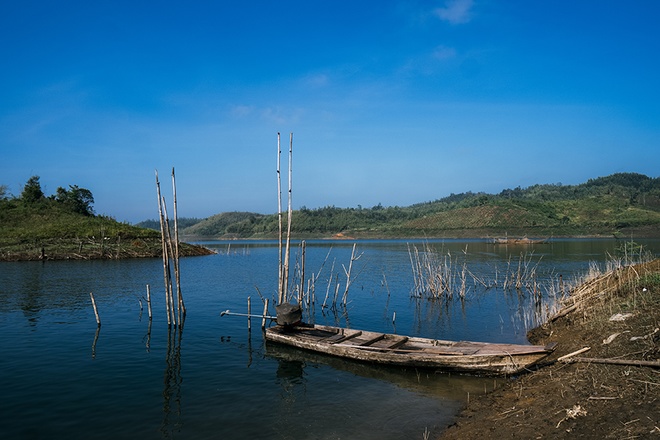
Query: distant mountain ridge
[(619, 204)]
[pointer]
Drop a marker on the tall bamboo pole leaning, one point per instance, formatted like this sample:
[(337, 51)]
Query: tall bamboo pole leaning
[(170, 290), (164, 247), (283, 278), (174, 310), (280, 278), (182, 307)]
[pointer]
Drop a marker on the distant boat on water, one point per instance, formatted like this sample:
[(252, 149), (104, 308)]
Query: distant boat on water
[(521, 240)]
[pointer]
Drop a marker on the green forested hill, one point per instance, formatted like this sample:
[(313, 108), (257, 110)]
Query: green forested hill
[(618, 204)]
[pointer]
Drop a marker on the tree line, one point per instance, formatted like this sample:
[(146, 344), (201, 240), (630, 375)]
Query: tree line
[(74, 199), (542, 200)]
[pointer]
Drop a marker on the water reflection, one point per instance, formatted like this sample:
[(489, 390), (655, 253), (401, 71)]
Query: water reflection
[(292, 363), (96, 339), (389, 403), (172, 381), (290, 378)]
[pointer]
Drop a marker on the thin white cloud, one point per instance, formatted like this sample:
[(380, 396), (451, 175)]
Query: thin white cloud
[(281, 116), (455, 11), (444, 53), (317, 80), (240, 111)]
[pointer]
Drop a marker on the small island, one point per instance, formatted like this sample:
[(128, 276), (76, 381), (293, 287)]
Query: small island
[(63, 226)]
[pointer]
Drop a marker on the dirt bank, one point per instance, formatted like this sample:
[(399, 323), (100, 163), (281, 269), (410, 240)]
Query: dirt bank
[(618, 317), (93, 249)]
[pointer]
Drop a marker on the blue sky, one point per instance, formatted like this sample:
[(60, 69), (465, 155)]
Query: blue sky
[(391, 102)]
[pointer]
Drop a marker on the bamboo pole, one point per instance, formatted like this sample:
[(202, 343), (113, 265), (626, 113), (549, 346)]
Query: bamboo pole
[(96, 312), (348, 273), (280, 279), (149, 300), (170, 286), (177, 273), (287, 250), (327, 290), (164, 247), (249, 312), (263, 320), (301, 292)]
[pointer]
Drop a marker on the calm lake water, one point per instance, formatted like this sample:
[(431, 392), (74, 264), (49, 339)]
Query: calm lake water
[(135, 378)]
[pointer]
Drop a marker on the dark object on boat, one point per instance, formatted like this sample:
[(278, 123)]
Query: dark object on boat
[(288, 314), (383, 348)]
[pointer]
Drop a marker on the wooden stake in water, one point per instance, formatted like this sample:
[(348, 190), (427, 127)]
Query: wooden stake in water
[(149, 300), (96, 312), (249, 312), (263, 320)]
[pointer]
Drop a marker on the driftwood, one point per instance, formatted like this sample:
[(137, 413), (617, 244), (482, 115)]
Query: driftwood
[(629, 362), (575, 353), (563, 312)]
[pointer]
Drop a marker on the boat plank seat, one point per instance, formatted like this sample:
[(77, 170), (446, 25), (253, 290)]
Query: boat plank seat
[(341, 337), (398, 343), (390, 342), (372, 340), (317, 334)]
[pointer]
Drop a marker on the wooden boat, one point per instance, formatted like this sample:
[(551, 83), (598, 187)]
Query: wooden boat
[(523, 240), (383, 348)]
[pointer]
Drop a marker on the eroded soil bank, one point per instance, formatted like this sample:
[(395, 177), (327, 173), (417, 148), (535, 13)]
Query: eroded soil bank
[(93, 249), (617, 316)]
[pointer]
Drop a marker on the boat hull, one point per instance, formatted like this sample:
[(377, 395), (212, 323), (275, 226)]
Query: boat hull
[(390, 349)]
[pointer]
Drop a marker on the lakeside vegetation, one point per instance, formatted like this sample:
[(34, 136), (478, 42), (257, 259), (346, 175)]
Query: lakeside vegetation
[(617, 205)]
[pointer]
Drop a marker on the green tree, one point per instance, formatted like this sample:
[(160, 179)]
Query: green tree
[(76, 199), (32, 192)]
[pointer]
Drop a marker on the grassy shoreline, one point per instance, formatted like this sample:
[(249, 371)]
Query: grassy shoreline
[(617, 316)]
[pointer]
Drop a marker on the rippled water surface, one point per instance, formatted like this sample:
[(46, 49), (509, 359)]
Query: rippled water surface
[(137, 378)]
